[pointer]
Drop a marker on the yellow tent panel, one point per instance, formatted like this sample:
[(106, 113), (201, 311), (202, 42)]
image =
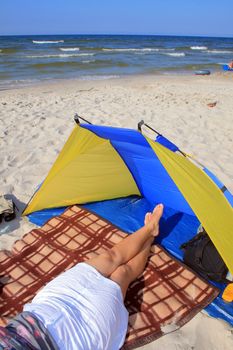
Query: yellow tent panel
[(87, 169), (204, 197)]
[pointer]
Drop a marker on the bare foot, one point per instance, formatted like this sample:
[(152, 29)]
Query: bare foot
[(152, 219)]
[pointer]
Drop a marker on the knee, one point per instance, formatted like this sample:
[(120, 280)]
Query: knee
[(124, 272), (113, 256)]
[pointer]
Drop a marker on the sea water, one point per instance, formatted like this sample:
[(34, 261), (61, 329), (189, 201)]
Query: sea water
[(29, 59)]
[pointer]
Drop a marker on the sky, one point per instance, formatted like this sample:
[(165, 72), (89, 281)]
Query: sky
[(157, 17)]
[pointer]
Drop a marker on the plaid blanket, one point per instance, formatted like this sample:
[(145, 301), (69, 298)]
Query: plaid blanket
[(166, 294)]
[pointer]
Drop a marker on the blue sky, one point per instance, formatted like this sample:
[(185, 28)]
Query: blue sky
[(171, 17)]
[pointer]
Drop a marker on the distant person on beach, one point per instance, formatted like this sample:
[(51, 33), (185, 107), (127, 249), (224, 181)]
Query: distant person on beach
[(83, 308), (230, 64)]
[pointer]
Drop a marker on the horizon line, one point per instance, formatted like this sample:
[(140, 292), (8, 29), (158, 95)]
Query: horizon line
[(124, 34)]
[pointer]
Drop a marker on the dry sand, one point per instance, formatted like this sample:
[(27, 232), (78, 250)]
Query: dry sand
[(36, 121)]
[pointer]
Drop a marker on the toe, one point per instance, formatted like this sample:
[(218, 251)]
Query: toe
[(158, 211), (147, 218)]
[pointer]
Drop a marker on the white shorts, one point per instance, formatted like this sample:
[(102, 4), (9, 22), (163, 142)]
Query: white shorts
[(82, 310)]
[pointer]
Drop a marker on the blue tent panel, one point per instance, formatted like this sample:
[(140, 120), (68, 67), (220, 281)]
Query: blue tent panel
[(41, 217), (165, 142), (151, 177)]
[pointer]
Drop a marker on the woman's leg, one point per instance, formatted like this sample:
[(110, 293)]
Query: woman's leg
[(127, 273), (130, 246)]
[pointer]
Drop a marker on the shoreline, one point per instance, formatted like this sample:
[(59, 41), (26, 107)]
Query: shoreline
[(95, 78)]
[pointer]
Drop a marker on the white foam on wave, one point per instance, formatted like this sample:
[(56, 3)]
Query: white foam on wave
[(219, 51), (88, 61), (62, 55), (47, 41), (132, 49), (198, 47), (149, 49), (174, 54), (69, 48)]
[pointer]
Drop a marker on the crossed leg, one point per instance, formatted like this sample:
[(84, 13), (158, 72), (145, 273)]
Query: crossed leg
[(127, 259), (127, 273)]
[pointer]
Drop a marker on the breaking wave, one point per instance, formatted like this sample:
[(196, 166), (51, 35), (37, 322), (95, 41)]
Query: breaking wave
[(47, 41), (62, 55), (69, 48), (132, 50), (198, 47), (174, 54), (220, 51)]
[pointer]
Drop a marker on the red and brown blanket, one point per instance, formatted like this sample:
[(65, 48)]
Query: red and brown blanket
[(167, 293)]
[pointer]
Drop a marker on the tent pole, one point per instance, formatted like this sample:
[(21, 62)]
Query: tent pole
[(141, 123), (77, 117)]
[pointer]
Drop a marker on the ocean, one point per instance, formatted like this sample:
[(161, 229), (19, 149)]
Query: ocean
[(26, 60)]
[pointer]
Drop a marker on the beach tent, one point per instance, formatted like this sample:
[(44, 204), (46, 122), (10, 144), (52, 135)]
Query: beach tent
[(123, 171), (99, 163)]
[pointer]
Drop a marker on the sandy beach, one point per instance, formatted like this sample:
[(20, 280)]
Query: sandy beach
[(194, 112)]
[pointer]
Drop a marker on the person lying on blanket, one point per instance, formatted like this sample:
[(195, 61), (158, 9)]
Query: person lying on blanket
[(83, 308)]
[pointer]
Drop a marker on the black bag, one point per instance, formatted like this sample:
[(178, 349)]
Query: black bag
[(201, 255)]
